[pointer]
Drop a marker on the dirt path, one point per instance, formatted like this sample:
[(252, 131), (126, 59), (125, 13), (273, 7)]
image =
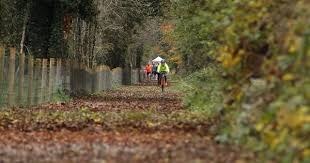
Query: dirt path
[(132, 124)]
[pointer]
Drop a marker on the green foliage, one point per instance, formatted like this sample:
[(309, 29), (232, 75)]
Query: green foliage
[(57, 44), (204, 90), (43, 21), (196, 30), (92, 31), (263, 47), (12, 14), (87, 9), (61, 96)]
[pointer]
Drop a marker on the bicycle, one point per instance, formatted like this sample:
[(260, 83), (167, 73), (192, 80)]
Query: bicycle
[(163, 78)]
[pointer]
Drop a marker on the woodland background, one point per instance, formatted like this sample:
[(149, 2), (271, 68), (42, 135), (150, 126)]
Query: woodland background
[(243, 62)]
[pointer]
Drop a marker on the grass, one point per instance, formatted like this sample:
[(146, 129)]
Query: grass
[(203, 90)]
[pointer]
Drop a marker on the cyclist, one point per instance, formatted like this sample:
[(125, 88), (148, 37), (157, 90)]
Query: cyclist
[(154, 71), (148, 71), (162, 68)]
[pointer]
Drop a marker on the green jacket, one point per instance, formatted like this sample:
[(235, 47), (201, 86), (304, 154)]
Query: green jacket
[(163, 68)]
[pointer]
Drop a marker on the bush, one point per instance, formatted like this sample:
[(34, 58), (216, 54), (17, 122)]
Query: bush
[(264, 49), (203, 90)]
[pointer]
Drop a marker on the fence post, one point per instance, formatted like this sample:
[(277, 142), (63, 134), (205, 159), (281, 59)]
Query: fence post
[(21, 79), (88, 80), (1, 70), (30, 79), (97, 79), (127, 75), (44, 90), (51, 79), (37, 79), (134, 76), (58, 73), (141, 75), (67, 72), (11, 78), (74, 85), (109, 79)]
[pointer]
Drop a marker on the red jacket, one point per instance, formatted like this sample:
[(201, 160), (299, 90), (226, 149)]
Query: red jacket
[(148, 68)]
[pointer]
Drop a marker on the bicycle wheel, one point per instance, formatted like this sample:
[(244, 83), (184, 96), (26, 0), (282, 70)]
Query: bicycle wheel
[(162, 84)]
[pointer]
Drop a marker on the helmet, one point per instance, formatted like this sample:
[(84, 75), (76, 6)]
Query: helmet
[(163, 61)]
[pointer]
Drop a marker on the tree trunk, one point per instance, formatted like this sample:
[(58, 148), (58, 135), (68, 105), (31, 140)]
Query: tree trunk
[(26, 18)]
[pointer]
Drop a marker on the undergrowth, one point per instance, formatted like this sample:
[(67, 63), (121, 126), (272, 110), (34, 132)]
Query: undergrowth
[(203, 90)]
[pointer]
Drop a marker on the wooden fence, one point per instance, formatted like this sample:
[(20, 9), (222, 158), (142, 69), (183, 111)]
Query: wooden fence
[(26, 81)]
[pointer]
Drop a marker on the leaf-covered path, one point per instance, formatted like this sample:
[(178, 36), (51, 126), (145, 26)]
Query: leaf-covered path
[(131, 124)]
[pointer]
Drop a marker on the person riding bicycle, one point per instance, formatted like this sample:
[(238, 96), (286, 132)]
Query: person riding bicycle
[(154, 71), (162, 68)]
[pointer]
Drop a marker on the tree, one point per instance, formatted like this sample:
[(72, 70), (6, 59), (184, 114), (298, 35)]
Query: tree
[(12, 19)]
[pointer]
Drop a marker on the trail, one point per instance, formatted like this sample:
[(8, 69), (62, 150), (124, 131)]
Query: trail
[(131, 124)]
